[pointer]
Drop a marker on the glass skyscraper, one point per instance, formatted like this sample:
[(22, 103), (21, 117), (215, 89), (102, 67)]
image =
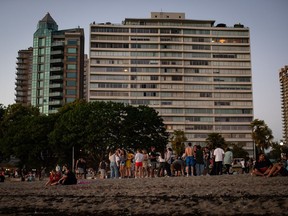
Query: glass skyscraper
[(58, 66)]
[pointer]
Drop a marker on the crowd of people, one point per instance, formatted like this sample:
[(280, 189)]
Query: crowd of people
[(195, 161)]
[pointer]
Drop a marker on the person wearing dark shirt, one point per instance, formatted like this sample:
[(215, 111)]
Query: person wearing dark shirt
[(68, 177), (199, 161), (153, 160), (262, 166)]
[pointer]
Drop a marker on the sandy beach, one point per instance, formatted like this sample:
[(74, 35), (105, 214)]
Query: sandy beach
[(199, 195)]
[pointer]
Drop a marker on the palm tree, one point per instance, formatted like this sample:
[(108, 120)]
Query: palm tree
[(215, 139), (261, 135), (177, 139)]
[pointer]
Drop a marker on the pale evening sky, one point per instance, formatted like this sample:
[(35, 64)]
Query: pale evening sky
[(266, 19)]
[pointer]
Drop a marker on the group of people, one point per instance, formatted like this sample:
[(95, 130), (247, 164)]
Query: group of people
[(264, 167), (127, 164), (62, 176), (195, 161)]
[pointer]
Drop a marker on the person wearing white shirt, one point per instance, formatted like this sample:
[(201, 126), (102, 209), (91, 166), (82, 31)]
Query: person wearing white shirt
[(219, 156), (139, 157)]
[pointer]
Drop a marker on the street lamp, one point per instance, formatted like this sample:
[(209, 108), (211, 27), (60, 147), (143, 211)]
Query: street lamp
[(73, 159)]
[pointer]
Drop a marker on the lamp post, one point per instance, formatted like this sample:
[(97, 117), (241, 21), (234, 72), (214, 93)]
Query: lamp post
[(73, 159)]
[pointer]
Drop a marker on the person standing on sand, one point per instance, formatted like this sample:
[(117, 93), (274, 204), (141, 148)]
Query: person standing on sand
[(161, 168), (122, 163), (199, 158), (145, 163), (114, 172), (168, 161), (128, 164), (228, 160), (153, 161), (189, 160), (219, 156), (207, 158), (139, 164)]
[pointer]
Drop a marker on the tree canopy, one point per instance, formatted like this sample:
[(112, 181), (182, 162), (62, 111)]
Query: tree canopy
[(261, 134), (215, 140), (90, 128), (178, 139)]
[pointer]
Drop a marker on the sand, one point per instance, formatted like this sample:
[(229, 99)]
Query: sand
[(198, 195)]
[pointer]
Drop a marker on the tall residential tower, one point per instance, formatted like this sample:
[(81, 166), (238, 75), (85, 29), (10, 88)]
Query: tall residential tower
[(58, 66), (23, 77), (197, 75), (283, 77)]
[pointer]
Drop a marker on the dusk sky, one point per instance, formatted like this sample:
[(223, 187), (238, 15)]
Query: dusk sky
[(266, 19)]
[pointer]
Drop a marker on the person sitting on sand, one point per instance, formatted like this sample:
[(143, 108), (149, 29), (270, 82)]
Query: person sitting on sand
[(68, 177), (278, 168), (262, 166), (53, 177)]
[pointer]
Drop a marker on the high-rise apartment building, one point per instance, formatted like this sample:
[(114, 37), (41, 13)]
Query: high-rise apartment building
[(23, 76), (58, 66), (197, 75), (283, 77)]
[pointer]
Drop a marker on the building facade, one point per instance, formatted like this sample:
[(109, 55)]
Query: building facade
[(195, 74), (23, 77), (283, 78), (58, 66)]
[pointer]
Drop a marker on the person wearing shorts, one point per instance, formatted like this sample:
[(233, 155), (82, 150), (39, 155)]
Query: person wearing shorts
[(139, 164), (189, 160)]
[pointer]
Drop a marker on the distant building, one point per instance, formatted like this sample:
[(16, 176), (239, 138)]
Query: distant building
[(283, 77), (58, 66), (23, 77), (195, 74)]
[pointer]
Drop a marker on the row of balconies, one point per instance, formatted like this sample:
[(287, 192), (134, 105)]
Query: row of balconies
[(56, 77)]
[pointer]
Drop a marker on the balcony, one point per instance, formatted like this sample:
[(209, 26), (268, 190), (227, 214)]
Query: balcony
[(57, 43), (53, 111), (55, 102), (56, 77), (57, 52), (55, 94), (56, 60), (56, 69), (56, 85)]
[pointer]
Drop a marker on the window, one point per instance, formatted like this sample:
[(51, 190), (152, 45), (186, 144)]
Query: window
[(72, 42), (71, 75), (69, 100), (72, 50), (177, 78), (71, 67), (71, 83), (71, 92), (71, 58)]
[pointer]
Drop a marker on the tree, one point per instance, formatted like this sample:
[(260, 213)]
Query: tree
[(100, 127), (261, 135), (24, 133), (214, 140), (178, 139), (239, 152)]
